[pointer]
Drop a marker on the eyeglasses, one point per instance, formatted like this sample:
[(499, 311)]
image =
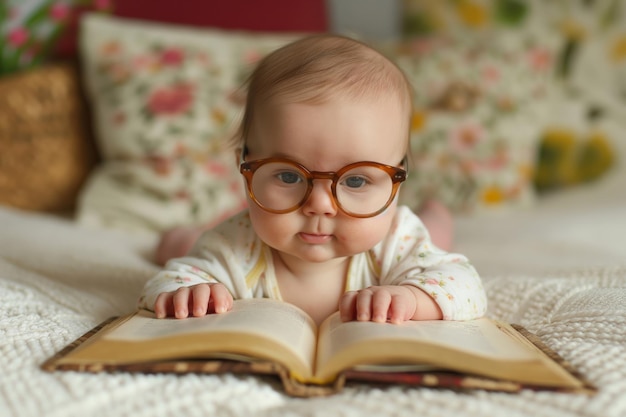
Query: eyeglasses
[(361, 189)]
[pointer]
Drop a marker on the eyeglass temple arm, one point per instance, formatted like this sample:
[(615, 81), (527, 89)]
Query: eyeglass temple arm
[(242, 154)]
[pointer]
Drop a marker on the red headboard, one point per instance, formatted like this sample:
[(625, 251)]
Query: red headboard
[(254, 15), (257, 15)]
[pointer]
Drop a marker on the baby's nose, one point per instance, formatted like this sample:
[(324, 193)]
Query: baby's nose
[(321, 200)]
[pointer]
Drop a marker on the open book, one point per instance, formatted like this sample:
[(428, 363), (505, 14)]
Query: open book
[(267, 336)]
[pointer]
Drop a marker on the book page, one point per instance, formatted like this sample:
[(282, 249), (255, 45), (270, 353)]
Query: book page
[(258, 316), (272, 329), (479, 337), (461, 345)]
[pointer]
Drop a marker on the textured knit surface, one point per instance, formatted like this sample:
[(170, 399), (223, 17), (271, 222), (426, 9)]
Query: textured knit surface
[(57, 281)]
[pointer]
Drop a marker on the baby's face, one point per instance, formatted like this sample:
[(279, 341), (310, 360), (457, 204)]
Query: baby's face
[(326, 137)]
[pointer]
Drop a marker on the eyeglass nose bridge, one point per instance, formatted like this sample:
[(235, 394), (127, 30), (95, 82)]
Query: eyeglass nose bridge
[(321, 175)]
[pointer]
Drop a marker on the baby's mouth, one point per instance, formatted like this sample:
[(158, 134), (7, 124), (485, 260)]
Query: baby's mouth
[(314, 238)]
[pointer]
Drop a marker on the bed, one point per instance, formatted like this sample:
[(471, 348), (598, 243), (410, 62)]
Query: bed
[(558, 270), (556, 266)]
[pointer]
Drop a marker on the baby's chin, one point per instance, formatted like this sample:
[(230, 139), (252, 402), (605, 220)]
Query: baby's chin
[(316, 254)]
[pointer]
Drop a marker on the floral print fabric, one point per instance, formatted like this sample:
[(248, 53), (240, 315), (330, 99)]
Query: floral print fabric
[(165, 108), (479, 112), (557, 66)]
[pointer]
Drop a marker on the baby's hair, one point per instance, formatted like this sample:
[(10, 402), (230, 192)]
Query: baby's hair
[(315, 68)]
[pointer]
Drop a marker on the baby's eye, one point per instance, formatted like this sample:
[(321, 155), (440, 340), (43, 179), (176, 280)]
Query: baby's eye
[(354, 182), (289, 177)]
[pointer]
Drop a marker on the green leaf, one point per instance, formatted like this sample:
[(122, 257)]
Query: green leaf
[(511, 12), (40, 14), (49, 45), (566, 58), (415, 24), (611, 14), (175, 130), (4, 11)]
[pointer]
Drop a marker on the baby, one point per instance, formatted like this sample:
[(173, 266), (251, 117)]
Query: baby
[(322, 149)]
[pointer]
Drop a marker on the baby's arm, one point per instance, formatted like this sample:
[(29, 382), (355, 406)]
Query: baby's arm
[(208, 279), (394, 303), (442, 285), (200, 299)]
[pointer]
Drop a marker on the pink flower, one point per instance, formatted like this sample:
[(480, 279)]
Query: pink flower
[(119, 118), (467, 136), (141, 62), (18, 36), (59, 12), (180, 149), (423, 46), (491, 74), (118, 73), (160, 165), (431, 281), (540, 59), (182, 195), (497, 162), (216, 168), (235, 188), (252, 57), (172, 57), (203, 59), (171, 101)]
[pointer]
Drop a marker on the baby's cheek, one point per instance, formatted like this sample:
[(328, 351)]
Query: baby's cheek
[(363, 234)]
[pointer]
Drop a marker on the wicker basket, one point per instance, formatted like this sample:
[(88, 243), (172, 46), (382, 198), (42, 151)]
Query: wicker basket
[(45, 150)]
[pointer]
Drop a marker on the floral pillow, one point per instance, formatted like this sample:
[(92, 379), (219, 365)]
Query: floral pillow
[(575, 53), (479, 110), (164, 110)]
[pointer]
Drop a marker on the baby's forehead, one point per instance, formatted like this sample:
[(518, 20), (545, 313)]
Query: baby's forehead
[(366, 127), (338, 95)]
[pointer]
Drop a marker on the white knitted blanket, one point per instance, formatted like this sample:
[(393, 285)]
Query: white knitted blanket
[(58, 281)]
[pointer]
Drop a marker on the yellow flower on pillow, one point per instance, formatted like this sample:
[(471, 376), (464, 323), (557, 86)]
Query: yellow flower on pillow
[(418, 121), (595, 156), (473, 14), (493, 195), (618, 49), (566, 159)]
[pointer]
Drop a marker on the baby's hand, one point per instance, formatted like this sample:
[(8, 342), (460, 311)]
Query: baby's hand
[(394, 303), (200, 299)]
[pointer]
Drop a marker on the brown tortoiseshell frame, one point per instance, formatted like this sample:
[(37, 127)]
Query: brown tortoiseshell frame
[(397, 175)]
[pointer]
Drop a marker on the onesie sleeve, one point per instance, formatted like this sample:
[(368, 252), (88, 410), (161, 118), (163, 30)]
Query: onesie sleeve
[(407, 256), (225, 254)]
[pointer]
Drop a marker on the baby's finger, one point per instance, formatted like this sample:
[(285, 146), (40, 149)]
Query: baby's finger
[(222, 298), (163, 305), (398, 310), (380, 306), (364, 305), (181, 302), (347, 306), (200, 295)]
